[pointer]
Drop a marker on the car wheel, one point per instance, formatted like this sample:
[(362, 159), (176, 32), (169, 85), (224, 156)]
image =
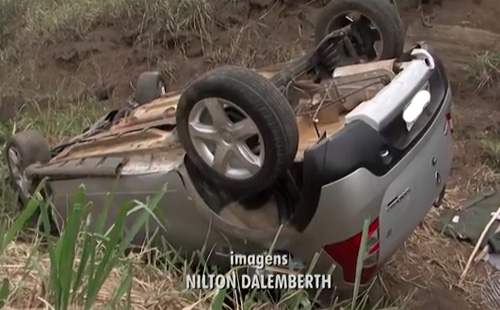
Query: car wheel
[(150, 86), (22, 150), (237, 128), (377, 30)]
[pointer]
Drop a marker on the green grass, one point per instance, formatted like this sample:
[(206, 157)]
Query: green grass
[(58, 121), (83, 256), (491, 148), (485, 71)]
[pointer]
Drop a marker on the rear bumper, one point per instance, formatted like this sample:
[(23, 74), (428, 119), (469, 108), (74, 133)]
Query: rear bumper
[(346, 203), (360, 145), (399, 195), (414, 190)]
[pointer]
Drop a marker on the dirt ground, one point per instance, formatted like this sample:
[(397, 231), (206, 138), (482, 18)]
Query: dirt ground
[(259, 32)]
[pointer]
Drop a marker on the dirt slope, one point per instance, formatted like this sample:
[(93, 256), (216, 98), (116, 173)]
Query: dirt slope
[(250, 33)]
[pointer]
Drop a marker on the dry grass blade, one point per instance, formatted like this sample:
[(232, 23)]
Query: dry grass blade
[(486, 70)]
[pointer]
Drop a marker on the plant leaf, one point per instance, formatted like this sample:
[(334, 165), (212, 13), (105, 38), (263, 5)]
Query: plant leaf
[(4, 292)]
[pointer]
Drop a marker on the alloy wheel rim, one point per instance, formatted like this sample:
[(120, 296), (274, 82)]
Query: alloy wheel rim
[(226, 138)]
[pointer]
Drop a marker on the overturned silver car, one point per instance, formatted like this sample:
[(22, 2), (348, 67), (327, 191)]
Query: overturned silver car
[(311, 148)]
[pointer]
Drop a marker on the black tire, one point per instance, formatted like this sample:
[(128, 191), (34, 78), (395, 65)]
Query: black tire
[(31, 148), (264, 104), (149, 87), (380, 12)]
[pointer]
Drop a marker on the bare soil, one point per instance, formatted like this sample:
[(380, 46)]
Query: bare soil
[(260, 32)]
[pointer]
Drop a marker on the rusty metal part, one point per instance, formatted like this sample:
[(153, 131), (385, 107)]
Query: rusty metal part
[(359, 87), (165, 107), (349, 86), (150, 140), (110, 166), (99, 166), (150, 128), (270, 71), (308, 86), (158, 109), (327, 115), (389, 64), (133, 123)]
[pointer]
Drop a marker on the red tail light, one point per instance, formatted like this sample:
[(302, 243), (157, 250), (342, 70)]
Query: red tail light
[(345, 254), (450, 122)]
